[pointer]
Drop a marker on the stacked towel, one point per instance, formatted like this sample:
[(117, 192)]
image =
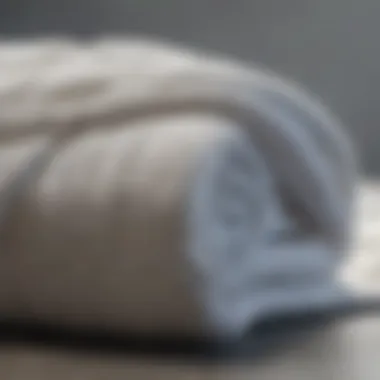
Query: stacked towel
[(151, 188)]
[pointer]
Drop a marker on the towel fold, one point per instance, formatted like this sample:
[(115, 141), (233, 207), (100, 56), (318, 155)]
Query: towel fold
[(148, 187)]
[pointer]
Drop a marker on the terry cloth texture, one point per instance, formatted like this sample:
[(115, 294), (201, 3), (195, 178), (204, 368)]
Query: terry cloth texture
[(149, 187)]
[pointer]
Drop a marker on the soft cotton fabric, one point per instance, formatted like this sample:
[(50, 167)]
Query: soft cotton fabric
[(152, 188)]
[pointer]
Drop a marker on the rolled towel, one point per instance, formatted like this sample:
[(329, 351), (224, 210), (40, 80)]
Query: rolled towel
[(152, 188)]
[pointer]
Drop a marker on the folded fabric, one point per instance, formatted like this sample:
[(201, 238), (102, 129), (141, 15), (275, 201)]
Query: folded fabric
[(151, 188)]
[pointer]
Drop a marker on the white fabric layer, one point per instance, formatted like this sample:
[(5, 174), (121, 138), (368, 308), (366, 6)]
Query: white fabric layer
[(152, 188)]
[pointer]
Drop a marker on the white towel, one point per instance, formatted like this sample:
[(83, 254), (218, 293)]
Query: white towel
[(152, 188)]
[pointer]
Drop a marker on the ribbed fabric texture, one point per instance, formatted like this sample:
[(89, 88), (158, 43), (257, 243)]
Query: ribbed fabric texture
[(148, 187)]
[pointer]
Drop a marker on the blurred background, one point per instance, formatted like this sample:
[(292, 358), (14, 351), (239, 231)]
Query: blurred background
[(331, 46)]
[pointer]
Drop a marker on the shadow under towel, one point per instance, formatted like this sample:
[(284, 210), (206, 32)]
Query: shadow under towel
[(149, 188)]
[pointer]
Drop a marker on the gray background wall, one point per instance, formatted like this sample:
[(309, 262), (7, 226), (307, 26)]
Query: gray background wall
[(329, 45)]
